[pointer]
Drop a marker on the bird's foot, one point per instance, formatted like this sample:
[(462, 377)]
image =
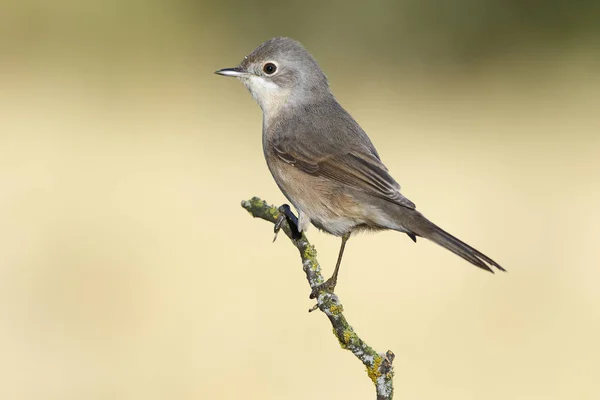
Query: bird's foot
[(286, 214), (327, 286)]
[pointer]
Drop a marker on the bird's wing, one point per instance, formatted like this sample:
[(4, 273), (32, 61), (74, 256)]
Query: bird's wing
[(356, 166)]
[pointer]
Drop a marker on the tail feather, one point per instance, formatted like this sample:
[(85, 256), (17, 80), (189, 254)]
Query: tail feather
[(421, 226)]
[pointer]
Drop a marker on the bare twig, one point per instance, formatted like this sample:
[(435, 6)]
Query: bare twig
[(379, 365)]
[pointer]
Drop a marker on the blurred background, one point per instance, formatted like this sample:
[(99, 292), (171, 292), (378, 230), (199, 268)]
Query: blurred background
[(128, 270)]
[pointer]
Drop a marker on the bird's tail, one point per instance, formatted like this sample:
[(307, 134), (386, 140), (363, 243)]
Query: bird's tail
[(421, 226)]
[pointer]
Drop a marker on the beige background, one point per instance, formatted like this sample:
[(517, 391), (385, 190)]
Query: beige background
[(128, 269)]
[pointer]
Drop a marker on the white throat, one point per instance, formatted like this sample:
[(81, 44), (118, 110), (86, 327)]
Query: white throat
[(268, 95)]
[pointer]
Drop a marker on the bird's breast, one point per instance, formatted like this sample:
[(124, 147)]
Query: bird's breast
[(327, 204)]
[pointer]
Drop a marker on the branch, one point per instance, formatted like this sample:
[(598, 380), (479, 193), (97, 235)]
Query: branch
[(379, 366)]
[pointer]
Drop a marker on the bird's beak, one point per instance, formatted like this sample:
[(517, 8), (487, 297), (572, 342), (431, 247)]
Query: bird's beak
[(235, 72)]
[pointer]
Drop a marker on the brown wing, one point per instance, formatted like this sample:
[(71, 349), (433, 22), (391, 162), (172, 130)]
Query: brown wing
[(357, 168)]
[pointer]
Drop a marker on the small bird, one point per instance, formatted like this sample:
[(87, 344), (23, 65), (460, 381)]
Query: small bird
[(322, 160)]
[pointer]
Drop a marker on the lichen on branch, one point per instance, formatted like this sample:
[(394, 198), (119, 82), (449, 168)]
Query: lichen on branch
[(378, 365)]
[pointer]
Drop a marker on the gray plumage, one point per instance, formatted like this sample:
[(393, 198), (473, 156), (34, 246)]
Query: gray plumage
[(322, 160)]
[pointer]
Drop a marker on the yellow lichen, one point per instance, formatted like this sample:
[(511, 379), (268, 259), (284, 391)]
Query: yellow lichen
[(345, 339), (274, 212), (255, 202), (310, 253), (336, 309), (348, 336), (373, 371)]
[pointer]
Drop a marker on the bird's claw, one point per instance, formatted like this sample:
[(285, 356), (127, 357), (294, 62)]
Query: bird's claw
[(328, 286), (285, 213), (277, 228)]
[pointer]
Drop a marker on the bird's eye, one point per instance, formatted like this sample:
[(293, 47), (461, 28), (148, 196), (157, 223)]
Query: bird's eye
[(269, 68)]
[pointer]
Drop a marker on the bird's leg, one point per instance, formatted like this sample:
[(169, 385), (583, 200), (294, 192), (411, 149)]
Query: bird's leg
[(330, 283), (286, 214)]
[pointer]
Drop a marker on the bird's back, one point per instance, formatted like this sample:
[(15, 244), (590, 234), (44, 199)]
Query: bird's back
[(325, 127)]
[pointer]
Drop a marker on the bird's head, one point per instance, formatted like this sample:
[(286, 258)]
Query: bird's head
[(279, 73)]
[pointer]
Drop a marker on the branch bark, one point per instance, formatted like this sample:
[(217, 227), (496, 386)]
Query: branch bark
[(378, 365)]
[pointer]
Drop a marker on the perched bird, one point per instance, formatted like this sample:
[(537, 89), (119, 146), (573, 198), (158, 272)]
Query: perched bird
[(322, 160)]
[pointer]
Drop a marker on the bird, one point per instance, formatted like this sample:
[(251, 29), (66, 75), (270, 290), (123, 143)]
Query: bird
[(323, 161)]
